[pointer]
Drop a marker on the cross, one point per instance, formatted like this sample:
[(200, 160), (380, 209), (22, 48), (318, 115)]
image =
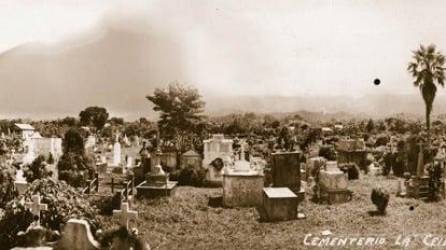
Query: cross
[(125, 214), (35, 206)]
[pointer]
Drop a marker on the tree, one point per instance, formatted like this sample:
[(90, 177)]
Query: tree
[(75, 166), (427, 70), (180, 107), (94, 116)]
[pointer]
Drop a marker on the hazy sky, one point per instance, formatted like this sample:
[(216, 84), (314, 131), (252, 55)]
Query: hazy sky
[(305, 47)]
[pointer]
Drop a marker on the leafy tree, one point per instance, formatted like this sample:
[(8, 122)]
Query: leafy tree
[(94, 116), (75, 166), (117, 121), (180, 110), (427, 70), (370, 126), (69, 121)]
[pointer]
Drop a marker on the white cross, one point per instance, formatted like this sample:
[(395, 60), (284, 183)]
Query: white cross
[(35, 206), (125, 214)]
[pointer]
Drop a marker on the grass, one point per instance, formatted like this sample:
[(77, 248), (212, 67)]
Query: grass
[(184, 221)]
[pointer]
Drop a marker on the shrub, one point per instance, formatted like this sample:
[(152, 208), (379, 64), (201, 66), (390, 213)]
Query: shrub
[(6, 183), (37, 170), (189, 176), (380, 198), (63, 202)]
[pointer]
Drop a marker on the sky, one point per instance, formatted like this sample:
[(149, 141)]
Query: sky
[(233, 47)]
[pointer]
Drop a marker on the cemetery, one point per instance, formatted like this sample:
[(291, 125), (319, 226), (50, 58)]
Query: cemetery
[(155, 163), (103, 191)]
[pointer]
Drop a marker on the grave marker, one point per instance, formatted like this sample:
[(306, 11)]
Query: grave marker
[(125, 214), (35, 207)]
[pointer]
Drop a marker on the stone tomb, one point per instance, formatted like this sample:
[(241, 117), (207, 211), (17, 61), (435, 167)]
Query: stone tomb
[(242, 185), (280, 204), (333, 184), (191, 159), (217, 149), (157, 183)]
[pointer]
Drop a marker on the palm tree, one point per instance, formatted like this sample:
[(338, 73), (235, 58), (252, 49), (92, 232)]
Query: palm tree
[(427, 70)]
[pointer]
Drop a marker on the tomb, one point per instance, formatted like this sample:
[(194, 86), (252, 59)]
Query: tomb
[(191, 159), (242, 185), (157, 183), (218, 153), (352, 151), (333, 184), (217, 147), (279, 204)]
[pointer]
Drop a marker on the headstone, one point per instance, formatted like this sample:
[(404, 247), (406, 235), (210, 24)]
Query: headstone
[(279, 204), (125, 214), (35, 207), (30, 156), (286, 170), (242, 185), (117, 154), (420, 163), (77, 235), (20, 182)]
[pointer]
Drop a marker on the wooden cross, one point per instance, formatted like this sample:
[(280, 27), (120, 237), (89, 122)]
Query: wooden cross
[(35, 207), (125, 214)]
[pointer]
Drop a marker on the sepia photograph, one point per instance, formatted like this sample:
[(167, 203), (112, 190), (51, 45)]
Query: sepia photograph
[(222, 124)]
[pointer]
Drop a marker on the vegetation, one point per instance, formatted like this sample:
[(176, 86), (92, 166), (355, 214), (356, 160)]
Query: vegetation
[(94, 116), (75, 166), (427, 68)]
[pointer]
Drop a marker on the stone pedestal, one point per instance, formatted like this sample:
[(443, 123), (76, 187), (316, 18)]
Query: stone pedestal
[(21, 186), (333, 184), (156, 184), (332, 177), (286, 170), (280, 204)]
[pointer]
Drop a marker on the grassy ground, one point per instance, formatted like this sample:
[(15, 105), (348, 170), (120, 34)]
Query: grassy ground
[(184, 221)]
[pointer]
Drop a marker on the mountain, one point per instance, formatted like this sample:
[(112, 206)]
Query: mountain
[(116, 66)]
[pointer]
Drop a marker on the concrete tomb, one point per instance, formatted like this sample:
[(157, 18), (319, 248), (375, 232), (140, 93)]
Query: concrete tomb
[(242, 185), (157, 183), (333, 184), (280, 204)]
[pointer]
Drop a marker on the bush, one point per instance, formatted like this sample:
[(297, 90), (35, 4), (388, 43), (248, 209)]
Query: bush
[(63, 202), (189, 176), (107, 204), (6, 184), (37, 170)]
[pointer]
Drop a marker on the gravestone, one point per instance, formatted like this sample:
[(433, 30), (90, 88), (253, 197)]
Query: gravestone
[(20, 182), (242, 185), (352, 151), (35, 207), (280, 204), (286, 170), (77, 235), (116, 153), (125, 214)]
